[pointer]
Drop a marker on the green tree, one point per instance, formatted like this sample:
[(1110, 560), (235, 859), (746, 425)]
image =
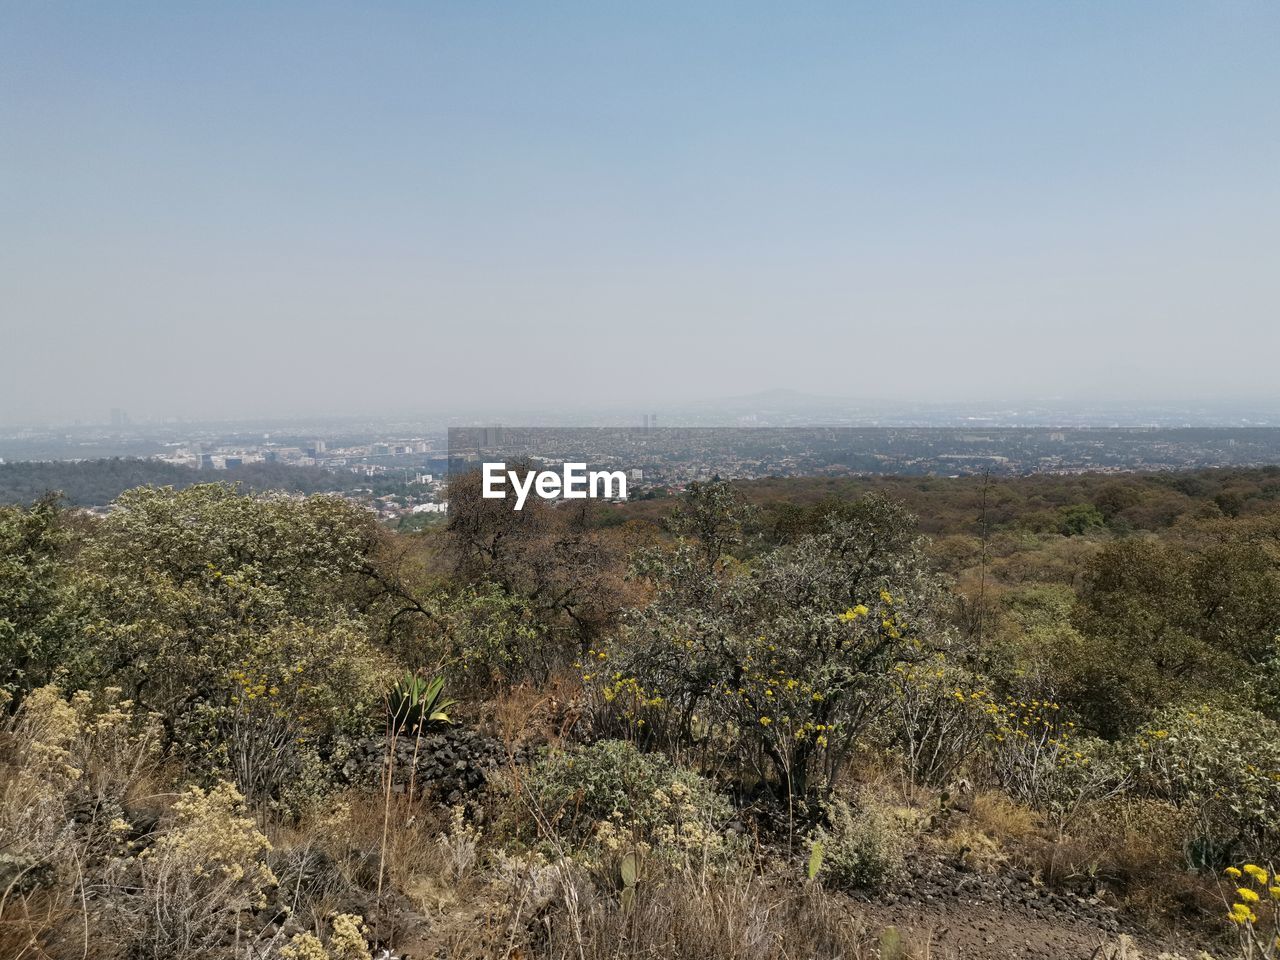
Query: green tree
[(1079, 519), (711, 516), (179, 587), (1237, 593), (782, 665), (565, 571), (1138, 614), (37, 621)]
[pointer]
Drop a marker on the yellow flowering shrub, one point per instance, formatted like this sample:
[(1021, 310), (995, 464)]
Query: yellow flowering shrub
[(286, 703), (940, 716), (1042, 759)]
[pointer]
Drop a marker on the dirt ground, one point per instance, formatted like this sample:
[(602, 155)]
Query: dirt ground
[(978, 931)]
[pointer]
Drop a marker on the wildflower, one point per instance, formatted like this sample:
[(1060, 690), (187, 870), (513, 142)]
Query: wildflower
[(1241, 914), (1255, 871), (1247, 895), (1232, 872)]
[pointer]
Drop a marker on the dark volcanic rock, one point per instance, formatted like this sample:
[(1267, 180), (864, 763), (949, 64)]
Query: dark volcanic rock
[(448, 766)]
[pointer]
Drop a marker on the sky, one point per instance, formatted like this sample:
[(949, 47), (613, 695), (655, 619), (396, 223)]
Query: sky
[(235, 209)]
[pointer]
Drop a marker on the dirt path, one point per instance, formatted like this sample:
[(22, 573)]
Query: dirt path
[(981, 932), (970, 916)]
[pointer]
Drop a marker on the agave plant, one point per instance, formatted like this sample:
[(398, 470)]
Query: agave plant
[(417, 705)]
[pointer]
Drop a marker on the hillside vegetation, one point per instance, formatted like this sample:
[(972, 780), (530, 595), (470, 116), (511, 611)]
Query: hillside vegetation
[(830, 719)]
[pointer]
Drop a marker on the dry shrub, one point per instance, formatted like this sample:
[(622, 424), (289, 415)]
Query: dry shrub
[(390, 861), (1137, 845), (88, 869), (429, 855), (56, 754), (1132, 846), (988, 831), (68, 771), (198, 887), (1147, 837), (330, 867)]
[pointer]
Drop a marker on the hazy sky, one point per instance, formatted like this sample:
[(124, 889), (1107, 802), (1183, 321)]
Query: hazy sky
[(229, 208)]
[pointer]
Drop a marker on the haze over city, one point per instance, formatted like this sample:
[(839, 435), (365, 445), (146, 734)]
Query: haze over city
[(232, 210)]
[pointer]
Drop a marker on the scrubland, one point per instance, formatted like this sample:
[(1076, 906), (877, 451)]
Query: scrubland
[(899, 718)]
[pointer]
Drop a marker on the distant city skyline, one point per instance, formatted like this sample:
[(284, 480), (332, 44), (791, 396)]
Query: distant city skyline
[(239, 210)]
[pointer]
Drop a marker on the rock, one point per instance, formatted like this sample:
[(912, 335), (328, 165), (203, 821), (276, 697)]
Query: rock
[(449, 765)]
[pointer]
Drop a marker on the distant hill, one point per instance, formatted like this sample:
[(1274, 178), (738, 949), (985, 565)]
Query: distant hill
[(92, 483)]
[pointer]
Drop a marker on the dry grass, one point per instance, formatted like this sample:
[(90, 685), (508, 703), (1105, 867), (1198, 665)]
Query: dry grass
[(1002, 818), (43, 926), (974, 849), (522, 714), (525, 715), (736, 916)]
